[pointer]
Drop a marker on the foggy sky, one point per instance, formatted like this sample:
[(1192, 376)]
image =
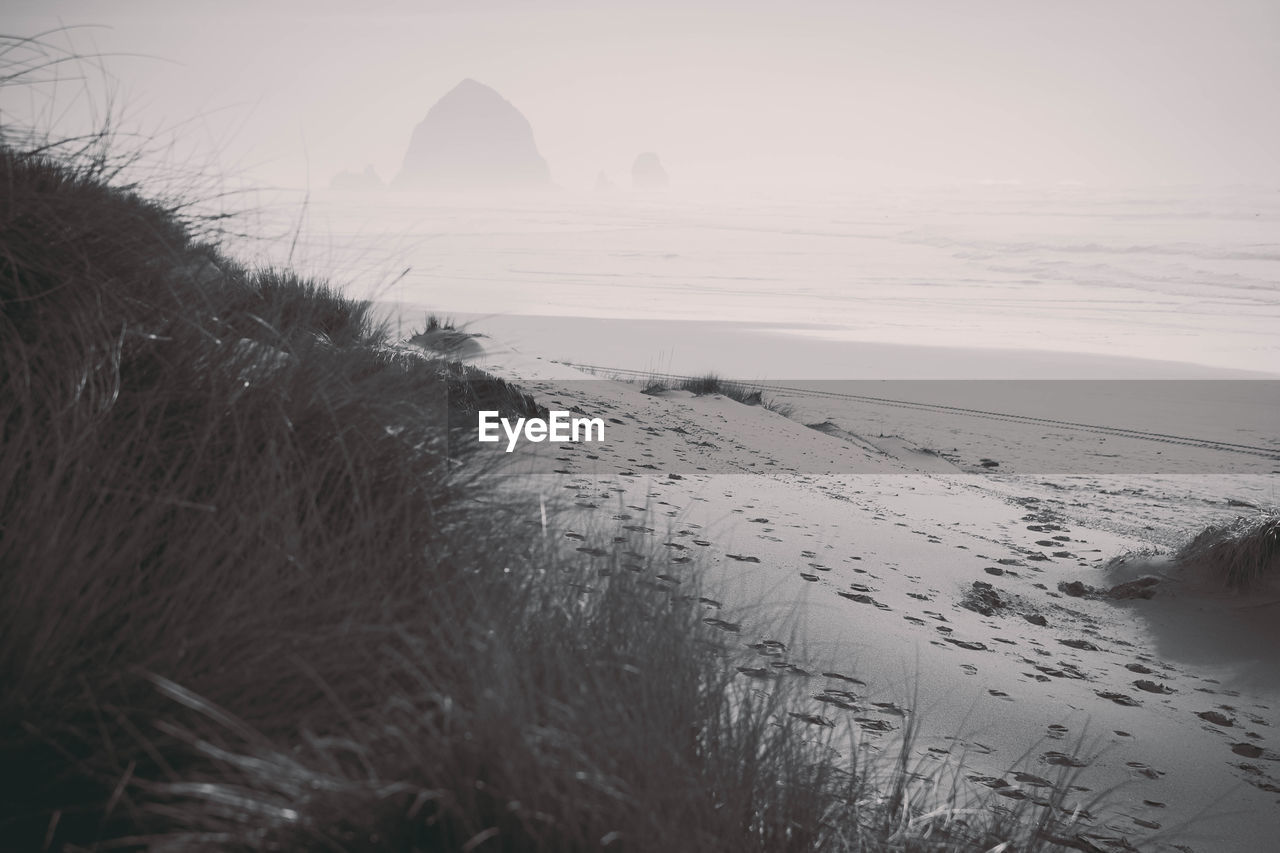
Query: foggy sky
[(729, 93)]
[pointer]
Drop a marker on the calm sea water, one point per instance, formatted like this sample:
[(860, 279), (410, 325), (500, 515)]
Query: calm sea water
[(1177, 274)]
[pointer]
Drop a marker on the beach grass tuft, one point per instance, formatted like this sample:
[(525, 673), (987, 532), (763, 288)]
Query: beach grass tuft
[(712, 384), (1242, 555)]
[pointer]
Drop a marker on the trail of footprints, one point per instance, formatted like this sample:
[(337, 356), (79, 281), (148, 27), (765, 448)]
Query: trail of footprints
[(1080, 658), (1085, 658), (1254, 762)]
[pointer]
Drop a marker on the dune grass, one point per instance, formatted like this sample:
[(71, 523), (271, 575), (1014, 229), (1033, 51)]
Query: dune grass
[(710, 383), (436, 323), (1242, 555), (255, 595), (228, 489), (713, 384)]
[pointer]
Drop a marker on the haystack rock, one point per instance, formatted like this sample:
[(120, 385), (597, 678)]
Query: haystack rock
[(473, 139), (647, 173)]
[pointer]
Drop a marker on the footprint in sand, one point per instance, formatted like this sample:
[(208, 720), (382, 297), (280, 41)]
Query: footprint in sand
[(1152, 687), (1118, 698), (869, 725), (1217, 718), (840, 698), (769, 648), (742, 558), (1061, 759), (967, 644), (995, 783), (1033, 780), (1251, 750), (791, 669), (1258, 779), (839, 676), (808, 577), (1062, 670), (1056, 731), (1140, 769)]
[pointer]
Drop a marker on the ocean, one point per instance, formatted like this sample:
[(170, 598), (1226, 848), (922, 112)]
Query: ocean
[(1183, 275)]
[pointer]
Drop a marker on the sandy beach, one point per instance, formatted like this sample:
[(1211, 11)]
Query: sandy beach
[(920, 581)]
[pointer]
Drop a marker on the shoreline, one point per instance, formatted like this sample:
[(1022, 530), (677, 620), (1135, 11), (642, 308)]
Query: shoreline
[(772, 351)]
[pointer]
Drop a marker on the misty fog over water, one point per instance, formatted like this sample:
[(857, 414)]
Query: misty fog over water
[(1178, 274), (1081, 178)]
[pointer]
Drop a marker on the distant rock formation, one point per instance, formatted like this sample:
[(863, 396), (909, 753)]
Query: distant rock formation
[(357, 181), (604, 185), (473, 139), (647, 173)]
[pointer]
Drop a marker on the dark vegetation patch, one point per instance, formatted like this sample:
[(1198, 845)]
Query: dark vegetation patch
[(253, 593), (713, 384), (983, 597), (1241, 555)]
